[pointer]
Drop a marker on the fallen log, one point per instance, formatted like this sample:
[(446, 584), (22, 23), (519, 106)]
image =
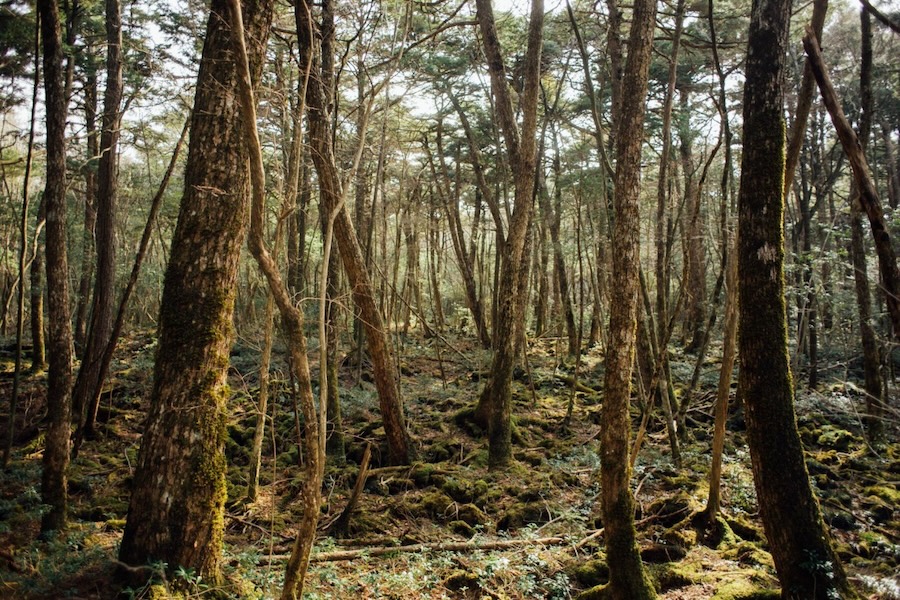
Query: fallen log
[(340, 555)]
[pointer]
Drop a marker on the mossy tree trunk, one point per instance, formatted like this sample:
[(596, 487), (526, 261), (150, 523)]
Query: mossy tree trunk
[(59, 376), (177, 502), (628, 579), (806, 563)]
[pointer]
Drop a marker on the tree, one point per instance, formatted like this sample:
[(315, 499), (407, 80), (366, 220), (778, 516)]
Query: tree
[(59, 376), (627, 577), (331, 194), (521, 145), (86, 395), (806, 563), (178, 496)]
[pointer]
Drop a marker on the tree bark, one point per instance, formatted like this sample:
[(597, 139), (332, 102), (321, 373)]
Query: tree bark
[(59, 376), (292, 316), (465, 259), (177, 502), (628, 579), (806, 563)]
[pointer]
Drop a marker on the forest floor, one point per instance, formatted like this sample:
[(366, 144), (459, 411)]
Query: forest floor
[(532, 531)]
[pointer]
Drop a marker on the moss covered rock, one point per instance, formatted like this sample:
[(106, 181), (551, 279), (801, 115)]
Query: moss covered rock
[(590, 573), (521, 514)]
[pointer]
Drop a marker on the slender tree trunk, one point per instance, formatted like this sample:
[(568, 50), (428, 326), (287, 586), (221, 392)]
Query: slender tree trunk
[(464, 257), (292, 316), (36, 293), (696, 313), (806, 563), (662, 187), (90, 212), (178, 494), (628, 579), (86, 395), (521, 147), (871, 360), (713, 502), (23, 252), (59, 377), (434, 269), (893, 165), (331, 198), (553, 220), (106, 358), (334, 445), (887, 258)]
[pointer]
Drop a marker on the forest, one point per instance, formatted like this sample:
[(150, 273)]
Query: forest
[(449, 299)]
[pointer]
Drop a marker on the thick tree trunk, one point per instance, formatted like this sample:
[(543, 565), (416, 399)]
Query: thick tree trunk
[(628, 579), (178, 497), (59, 377), (804, 558)]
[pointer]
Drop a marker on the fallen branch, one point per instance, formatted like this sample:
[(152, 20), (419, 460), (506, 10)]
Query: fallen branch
[(340, 555), (580, 387), (341, 525), (883, 18), (868, 196)]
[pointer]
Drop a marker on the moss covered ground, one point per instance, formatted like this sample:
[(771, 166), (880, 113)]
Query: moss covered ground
[(550, 492)]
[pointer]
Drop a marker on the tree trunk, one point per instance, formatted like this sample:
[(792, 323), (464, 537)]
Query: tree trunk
[(464, 258), (331, 198), (695, 260), (521, 147), (868, 196), (663, 218), (553, 220), (22, 254), (334, 445), (806, 563), (178, 497), (59, 376), (713, 502), (628, 579), (871, 360), (36, 292), (86, 395), (90, 212)]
